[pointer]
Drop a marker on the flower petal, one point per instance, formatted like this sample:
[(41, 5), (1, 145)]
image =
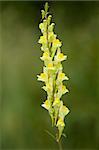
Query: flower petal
[(46, 105), (43, 77)]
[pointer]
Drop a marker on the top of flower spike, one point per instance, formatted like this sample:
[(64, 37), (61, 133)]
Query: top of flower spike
[(45, 12)]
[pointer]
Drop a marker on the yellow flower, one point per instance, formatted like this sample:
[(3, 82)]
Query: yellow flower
[(43, 77), (57, 43), (43, 26), (63, 111), (60, 125), (61, 90), (46, 56), (49, 19), (61, 76), (56, 102), (48, 88), (60, 57), (46, 105), (50, 65), (43, 39), (51, 36), (44, 48), (51, 27), (64, 90), (60, 122), (52, 75)]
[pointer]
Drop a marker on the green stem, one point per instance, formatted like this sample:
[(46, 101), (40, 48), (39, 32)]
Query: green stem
[(60, 145)]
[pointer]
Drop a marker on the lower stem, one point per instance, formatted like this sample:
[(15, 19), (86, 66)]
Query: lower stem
[(60, 145)]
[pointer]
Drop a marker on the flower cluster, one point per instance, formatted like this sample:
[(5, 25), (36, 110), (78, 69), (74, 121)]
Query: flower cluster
[(52, 75)]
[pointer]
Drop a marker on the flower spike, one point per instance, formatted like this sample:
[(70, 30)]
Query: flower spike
[(52, 75)]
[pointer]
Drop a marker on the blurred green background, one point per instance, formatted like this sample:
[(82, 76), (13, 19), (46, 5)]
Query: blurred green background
[(23, 121)]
